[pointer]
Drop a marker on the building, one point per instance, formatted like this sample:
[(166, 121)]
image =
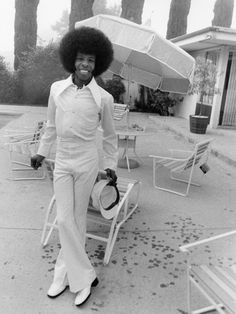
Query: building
[(219, 45)]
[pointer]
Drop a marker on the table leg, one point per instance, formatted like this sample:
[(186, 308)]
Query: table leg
[(125, 161)]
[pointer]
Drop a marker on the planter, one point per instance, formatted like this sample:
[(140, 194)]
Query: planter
[(204, 110), (198, 124)]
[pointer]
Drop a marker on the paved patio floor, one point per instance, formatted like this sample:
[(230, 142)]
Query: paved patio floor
[(147, 272)]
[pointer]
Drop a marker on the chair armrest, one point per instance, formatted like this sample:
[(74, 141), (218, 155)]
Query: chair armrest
[(19, 137), (167, 158), (17, 134), (22, 130), (22, 141), (180, 153), (184, 248)]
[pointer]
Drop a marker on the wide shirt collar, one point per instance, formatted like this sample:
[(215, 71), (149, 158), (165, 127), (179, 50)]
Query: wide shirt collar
[(92, 86)]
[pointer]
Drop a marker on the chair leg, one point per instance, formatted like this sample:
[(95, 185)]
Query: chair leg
[(44, 240), (188, 182), (208, 309), (214, 306), (52, 227), (161, 188), (111, 241), (116, 227), (184, 181), (115, 233)]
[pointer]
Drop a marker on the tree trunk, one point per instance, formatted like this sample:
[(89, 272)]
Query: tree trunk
[(223, 13), (80, 10), (178, 15), (132, 10), (25, 28)]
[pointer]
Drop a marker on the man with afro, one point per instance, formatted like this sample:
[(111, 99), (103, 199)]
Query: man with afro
[(76, 107)]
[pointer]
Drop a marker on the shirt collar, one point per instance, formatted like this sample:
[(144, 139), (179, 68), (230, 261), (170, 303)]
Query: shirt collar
[(93, 86)]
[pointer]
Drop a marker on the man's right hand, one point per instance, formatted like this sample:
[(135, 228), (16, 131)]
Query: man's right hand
[(36, 161)]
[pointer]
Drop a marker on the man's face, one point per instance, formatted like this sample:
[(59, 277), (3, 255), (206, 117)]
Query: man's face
[(84, 66)]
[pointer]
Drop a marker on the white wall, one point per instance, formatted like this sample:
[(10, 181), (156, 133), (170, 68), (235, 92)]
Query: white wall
[(132, 92), (186, 107)]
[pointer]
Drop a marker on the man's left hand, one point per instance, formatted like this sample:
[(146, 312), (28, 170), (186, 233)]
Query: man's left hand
[(111, 175)]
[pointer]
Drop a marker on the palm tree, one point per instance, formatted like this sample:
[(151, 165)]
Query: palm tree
[(178, 15), (80, 10), (25, 28), (132, 10), (223, 13)]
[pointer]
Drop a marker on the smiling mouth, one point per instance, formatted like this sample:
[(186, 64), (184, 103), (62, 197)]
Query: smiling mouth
[(84, 71)]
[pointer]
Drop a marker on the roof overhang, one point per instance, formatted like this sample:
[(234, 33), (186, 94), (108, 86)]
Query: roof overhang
[(206, 38)]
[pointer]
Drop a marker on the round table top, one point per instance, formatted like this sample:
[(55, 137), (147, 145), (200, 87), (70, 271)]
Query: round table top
[(131, 131)]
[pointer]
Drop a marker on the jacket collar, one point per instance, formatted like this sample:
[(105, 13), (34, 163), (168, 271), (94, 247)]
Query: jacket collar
[(93, 87)]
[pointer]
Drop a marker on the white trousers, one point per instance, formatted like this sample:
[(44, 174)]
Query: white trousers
[(76, 169)]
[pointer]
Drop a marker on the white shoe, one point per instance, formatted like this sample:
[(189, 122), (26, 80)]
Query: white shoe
[(82, 296), (55, 290)]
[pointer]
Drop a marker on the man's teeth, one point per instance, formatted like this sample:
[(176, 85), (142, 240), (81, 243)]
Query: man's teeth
[(83, 71)]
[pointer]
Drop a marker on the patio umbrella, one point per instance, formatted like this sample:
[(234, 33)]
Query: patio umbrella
[(143, 56)]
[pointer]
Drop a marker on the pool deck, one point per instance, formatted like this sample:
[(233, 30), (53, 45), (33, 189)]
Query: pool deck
[(147, 272)]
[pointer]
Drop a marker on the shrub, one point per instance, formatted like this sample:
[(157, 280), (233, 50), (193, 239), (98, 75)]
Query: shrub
[(8, 84), (100, 82), (38, 70), (156, 101), (115, 87)]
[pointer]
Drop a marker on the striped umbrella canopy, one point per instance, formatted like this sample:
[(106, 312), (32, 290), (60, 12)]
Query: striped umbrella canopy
[(143, 56)]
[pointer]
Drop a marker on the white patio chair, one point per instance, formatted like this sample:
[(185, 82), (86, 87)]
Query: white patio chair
[(183, 163), (129, 194), (121, 112), (217, 283), (21, 145)]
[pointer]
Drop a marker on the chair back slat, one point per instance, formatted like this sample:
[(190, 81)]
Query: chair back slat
[(120, 110), (193, 160), (39, 130), (202, 148), (200, 151)]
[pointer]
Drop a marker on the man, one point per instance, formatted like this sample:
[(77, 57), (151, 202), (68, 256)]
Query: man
[(76, 107)]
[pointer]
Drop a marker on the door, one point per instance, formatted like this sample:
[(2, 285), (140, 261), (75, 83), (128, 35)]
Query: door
[(228, 105)]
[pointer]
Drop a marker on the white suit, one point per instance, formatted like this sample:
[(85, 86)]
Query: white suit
[(73, 117)]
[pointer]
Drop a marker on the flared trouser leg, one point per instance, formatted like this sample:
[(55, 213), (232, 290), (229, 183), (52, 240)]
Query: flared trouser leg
[(72, 190)]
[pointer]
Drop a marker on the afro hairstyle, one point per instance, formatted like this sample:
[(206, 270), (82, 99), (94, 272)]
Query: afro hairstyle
[(86, 40)]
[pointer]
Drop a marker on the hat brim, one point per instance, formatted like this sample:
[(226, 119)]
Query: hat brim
[(105, 197)]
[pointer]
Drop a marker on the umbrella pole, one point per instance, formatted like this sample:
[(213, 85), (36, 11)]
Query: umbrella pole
[(129, 101)]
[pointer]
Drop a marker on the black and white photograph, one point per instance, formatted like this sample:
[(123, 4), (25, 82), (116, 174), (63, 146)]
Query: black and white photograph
[(118, 156)]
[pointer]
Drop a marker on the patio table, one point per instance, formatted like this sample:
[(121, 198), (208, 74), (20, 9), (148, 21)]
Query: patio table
[(127, 137)]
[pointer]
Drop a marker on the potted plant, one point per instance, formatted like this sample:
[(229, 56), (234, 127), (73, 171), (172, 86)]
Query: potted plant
[(204, 81), (158, 101), (116, 88)]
